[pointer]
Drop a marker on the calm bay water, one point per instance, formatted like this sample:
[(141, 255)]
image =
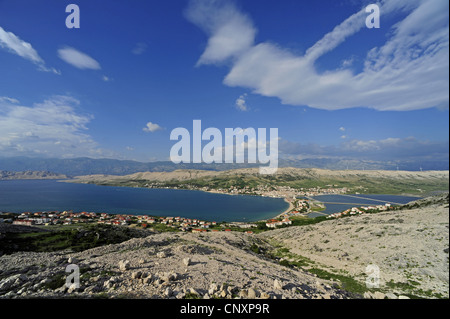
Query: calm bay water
[(339, 203), (49, 195)]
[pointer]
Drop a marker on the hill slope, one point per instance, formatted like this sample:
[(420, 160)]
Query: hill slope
[(409, 246), (377, 181)]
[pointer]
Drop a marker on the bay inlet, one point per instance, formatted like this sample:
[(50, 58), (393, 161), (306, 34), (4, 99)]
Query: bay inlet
[(19, 196)]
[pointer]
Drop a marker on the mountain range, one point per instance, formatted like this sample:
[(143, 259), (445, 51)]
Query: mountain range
[(86, 166)]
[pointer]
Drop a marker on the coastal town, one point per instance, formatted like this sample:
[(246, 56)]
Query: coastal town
[(260, 190), (298, 208), (141, 221)]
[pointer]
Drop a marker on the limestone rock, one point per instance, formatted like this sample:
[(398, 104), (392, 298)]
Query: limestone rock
[(124, 265), (187, 261), (136, 275), (277, 284), (161, 254), (251, 293)]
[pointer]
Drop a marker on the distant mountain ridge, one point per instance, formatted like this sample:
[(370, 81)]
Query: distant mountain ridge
[(6, 175), (87, 166)]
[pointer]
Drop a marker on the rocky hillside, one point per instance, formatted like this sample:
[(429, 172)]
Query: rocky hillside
[(299, 173), (166, 265), (364, 181), (7, 175), (410, 247)]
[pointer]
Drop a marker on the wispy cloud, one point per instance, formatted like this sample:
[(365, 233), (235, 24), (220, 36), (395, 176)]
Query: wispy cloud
[(241, 103), (78, 59), (140, 48), (12, 43), (8, 100), (152, 127), (51, 128), (409, 71)]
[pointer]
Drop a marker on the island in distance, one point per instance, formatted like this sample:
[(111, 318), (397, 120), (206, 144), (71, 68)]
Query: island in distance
[(8, 175)]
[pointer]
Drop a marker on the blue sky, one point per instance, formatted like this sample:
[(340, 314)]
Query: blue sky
[(136, 69)]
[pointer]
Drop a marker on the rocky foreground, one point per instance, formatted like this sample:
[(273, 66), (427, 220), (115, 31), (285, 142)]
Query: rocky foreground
[(320, 261), (167, 265)]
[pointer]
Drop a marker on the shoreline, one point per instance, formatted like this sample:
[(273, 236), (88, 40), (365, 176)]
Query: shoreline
[(291, 207), (214, 191)]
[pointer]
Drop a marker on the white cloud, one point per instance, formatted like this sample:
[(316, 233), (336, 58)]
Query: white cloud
[(231, 32), (152, 127), (51, 128), (10, 41), (8, 100), (409, 71), (140, 48), (342, 129), (14, 44), (78, 59), (241, 103), (106, 78)]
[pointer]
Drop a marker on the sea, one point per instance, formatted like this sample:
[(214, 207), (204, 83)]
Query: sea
[(17, 196), (338, 203)]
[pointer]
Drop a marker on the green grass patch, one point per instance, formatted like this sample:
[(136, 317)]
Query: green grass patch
[(76, 239), (347, 283), (308, 221)]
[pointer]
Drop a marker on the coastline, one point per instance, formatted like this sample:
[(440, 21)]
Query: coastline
[(214, 191), (291, 207)]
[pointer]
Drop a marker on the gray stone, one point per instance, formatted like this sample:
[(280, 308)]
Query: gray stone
[(148, 279), (193, 291), (243, 294), (378, 295), (124, 265), (93, 289), (161, 254), (368, 295), (277, 284), (264, 295), (391, 295), (136, 275), (186, 261), (169, 277), (212, 289), (252, 293), (168, 292)]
